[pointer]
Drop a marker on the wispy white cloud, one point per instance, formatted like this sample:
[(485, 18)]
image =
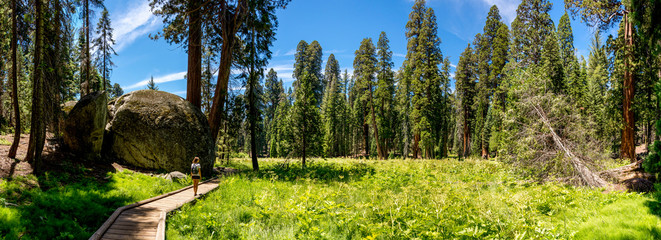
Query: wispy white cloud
[(290, 52), (399, 55), (135, 21), (160, 79), (507, 8), (282, 68), (286, 76), (452, 65)]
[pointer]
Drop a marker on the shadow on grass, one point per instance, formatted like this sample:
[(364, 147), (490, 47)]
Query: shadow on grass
[(68, 200), (314, 170)]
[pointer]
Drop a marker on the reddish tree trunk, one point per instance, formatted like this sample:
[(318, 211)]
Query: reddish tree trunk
[(221, 88), (379, 148), (628, 147), (194, 74), (416, 148), (229, 26)]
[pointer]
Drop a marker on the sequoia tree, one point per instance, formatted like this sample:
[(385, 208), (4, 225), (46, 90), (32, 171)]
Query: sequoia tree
[(605, 14)]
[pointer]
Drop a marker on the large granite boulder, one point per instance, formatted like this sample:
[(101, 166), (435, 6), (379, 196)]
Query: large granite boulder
[(84, 125), (158, 130)]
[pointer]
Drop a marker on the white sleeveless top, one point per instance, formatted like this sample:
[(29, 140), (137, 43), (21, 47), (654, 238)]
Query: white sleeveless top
[(195, 169)]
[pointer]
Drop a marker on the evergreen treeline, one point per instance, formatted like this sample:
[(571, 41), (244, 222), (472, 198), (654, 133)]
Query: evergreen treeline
[(501, 77), (508, 82)]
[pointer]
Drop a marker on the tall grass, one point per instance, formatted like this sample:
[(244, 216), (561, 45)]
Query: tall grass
[(412, 199)]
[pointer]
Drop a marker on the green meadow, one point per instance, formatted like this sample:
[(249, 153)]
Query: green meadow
[(408, 199)]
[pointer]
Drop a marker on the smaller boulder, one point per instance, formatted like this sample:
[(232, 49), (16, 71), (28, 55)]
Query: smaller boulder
[(85, 125), (177, 175)]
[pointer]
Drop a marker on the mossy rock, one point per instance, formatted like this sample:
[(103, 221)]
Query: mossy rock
[(158, 130)]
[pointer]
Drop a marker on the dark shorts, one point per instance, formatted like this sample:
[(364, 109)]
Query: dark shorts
[(196, 177)]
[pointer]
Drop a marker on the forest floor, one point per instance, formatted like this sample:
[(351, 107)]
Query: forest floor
[(11, 167), (409, 199)]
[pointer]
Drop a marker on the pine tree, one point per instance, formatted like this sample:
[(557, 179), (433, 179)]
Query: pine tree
[(530, 29), (552, 64), (103, 44), (116, 91), (365, 69), (207, 84), (491, 54), (384, 94), (465, 90), (308, 59), (332, 108), (306, 120), (151, 85), (85, 53), (422, 78), (273, 91), (597, 86), (254, 56), (406, 78)]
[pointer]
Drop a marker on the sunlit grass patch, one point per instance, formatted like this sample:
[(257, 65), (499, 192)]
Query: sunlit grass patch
[(392, 199), (4, 142), (57, 206)]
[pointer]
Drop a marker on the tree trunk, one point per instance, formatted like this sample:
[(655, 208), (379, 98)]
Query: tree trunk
[(466, 137), (628, 136), (37, 128), (14, 79), (366, 139), (589, 177), (253, 105), (87, 46), (194, 76), (304, 149), (379, 148), (416, 146)]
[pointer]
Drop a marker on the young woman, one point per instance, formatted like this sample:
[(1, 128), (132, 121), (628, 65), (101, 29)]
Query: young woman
[(195, 172)]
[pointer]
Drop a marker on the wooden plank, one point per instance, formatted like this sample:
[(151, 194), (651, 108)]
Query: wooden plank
[(132, 227), (132, 231), (126, 236), (137, 219), (134, 223)]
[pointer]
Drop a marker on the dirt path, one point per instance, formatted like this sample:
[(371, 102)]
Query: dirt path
[(13, 167)]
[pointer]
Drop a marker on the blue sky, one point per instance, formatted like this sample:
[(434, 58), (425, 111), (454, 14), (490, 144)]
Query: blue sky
[(338, 25)]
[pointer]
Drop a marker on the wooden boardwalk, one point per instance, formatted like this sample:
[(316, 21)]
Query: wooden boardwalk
[(146, 219)]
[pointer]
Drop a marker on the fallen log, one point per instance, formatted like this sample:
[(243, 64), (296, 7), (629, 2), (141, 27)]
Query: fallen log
[(627, 173), (586, 175)]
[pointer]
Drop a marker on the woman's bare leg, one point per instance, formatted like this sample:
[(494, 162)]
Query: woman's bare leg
[(195, 182)]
